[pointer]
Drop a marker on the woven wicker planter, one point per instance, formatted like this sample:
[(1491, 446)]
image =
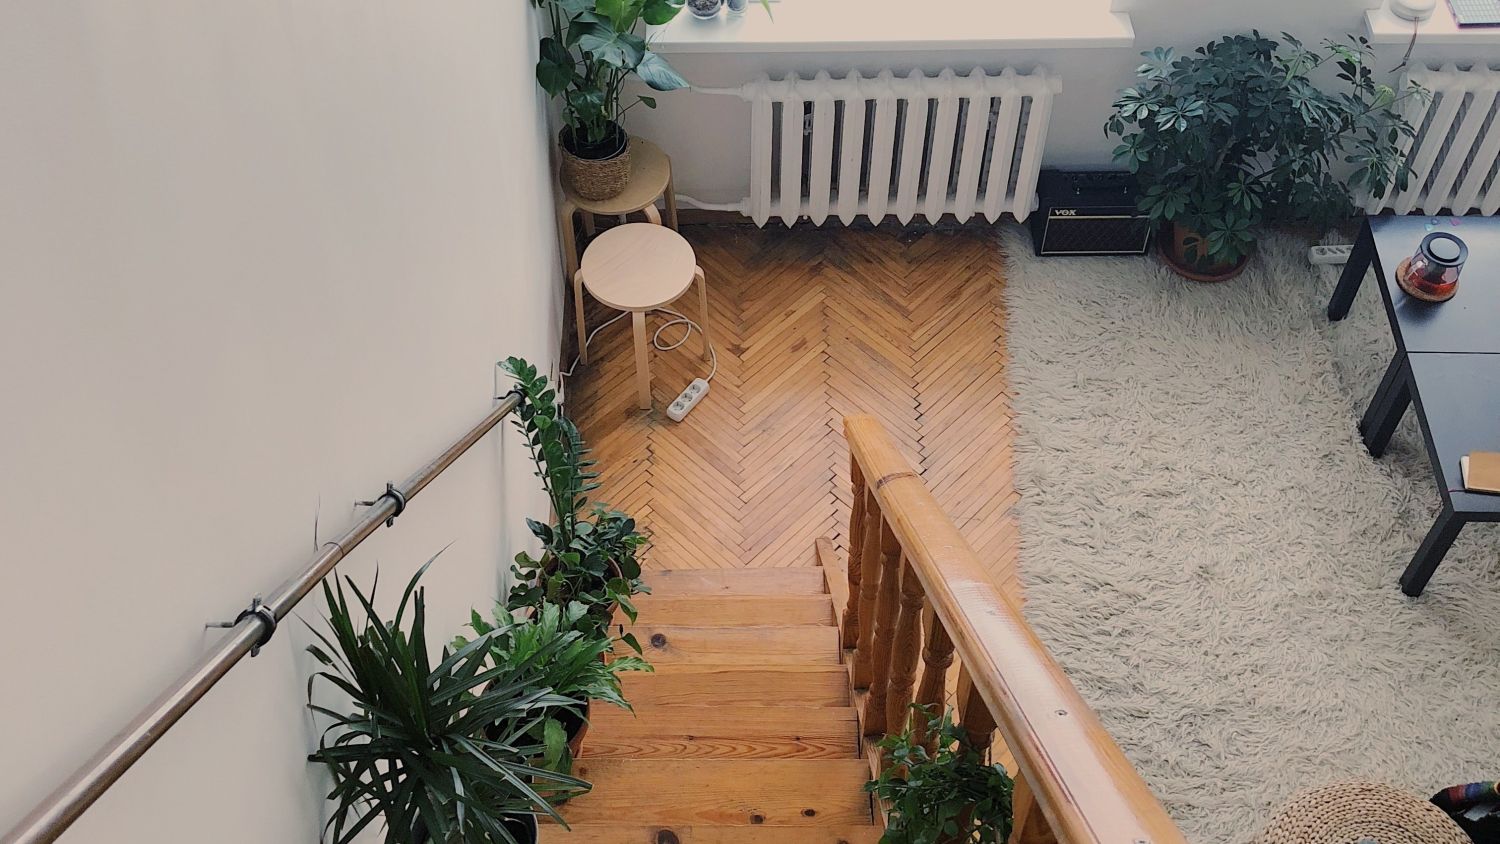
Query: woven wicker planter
[(596, 178)]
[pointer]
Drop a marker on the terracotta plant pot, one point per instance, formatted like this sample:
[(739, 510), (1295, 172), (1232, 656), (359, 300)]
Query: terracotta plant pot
[(1172, 243), (597, 173), (576, 724)]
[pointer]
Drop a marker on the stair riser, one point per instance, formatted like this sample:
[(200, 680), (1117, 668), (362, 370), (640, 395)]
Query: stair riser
[(828, 687), (794, 793)]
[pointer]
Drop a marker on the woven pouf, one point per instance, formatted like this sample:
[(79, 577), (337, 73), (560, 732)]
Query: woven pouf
[(1354, 812)]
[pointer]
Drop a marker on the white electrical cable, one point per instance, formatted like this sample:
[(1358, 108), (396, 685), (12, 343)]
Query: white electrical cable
[(688, 325)]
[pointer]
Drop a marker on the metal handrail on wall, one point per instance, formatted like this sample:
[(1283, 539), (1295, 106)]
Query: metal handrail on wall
[(252, 629)]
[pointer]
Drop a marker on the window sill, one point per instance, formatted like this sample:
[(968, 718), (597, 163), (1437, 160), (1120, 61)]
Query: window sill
[(1437, 31), (845, 26)]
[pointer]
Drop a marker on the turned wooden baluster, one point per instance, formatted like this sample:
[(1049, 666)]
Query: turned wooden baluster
[(936, 657), (850, 635), (974, 714), (889, 563), (1028, 824), (869, 589), (904, 649)]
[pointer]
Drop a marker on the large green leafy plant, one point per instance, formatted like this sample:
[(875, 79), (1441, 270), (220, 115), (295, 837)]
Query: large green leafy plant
[(588, 551), (1238, 134), (437, 752), (592, 47), (947, 794), (562, 646)]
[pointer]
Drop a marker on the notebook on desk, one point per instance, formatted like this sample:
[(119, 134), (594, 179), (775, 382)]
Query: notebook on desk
[(1481, 471), (1475, 12)]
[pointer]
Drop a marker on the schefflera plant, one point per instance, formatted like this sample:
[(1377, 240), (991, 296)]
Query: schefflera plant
[(1239, 133)]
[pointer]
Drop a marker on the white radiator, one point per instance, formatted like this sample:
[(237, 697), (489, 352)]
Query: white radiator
[(896, 145), (1455, 154)]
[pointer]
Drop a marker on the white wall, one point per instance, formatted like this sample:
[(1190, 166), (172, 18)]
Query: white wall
[(708, 135), (254, 255)]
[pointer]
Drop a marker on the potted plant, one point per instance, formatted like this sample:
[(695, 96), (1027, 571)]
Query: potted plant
[(947, 794), (588, 552), (592, 48), (562, 646), (1237, 135), (434, 752)]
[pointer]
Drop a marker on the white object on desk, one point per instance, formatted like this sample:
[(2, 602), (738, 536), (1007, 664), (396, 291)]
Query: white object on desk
[(1413, 10)]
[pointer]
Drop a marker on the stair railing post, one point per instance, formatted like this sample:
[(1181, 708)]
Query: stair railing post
[(849, 636), (937, 656), (869, 589), (905, 645), (974, 714), (885, 630)]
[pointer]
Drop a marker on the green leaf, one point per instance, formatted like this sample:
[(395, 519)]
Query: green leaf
[(617, 49), (659, 75), (658, 12)]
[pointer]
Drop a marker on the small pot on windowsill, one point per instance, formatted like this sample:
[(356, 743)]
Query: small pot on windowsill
[(597, 170), (1173, 241)]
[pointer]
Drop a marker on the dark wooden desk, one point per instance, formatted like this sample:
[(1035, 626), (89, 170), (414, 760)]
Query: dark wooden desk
[(1457, 398), (1469, 322), (1447, 364)]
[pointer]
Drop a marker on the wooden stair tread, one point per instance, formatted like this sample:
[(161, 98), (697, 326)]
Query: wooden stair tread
[(778, 685), (723, 731), (701, 834), (732, 610), (747, 581), (801, 645), (795, 792)]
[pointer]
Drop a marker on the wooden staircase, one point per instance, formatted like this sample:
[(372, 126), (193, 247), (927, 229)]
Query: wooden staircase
[(774, 686), (744, 734)]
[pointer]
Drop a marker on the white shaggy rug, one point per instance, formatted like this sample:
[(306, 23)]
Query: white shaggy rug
[(1212, 554)]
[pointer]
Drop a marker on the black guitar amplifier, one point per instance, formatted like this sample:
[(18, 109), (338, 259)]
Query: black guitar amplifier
[(1088, 213)]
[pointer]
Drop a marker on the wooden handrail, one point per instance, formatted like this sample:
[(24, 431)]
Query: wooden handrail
[(1070, 769)]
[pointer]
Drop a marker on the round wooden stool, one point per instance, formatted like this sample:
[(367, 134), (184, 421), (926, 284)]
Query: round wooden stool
[(650, 180), (638, 267)]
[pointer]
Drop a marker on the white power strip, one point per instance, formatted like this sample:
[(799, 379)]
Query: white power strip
[(1330, 254), (687, 400)]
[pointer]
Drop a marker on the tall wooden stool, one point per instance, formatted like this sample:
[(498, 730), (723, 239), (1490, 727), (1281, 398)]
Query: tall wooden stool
[(638, 267), (650, 180)]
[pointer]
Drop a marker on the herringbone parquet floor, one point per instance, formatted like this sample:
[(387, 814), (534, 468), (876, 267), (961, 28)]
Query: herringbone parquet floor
[(811, 325)]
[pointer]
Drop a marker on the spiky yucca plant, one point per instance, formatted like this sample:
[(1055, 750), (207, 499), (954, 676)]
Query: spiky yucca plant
[(412, 749)]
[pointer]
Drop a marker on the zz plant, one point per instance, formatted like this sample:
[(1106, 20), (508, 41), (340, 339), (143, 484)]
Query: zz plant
[(1238, 134), (588, 551), (438, 752), (591, 49), (946, 794)]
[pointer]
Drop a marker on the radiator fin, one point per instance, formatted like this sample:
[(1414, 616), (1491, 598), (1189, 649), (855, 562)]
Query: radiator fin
[(1455, 153), (897, 145)]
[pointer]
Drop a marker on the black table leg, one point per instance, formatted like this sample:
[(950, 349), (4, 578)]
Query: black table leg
[(1354, 273), (1387, 408), (1433, 548), (1392, 373)]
